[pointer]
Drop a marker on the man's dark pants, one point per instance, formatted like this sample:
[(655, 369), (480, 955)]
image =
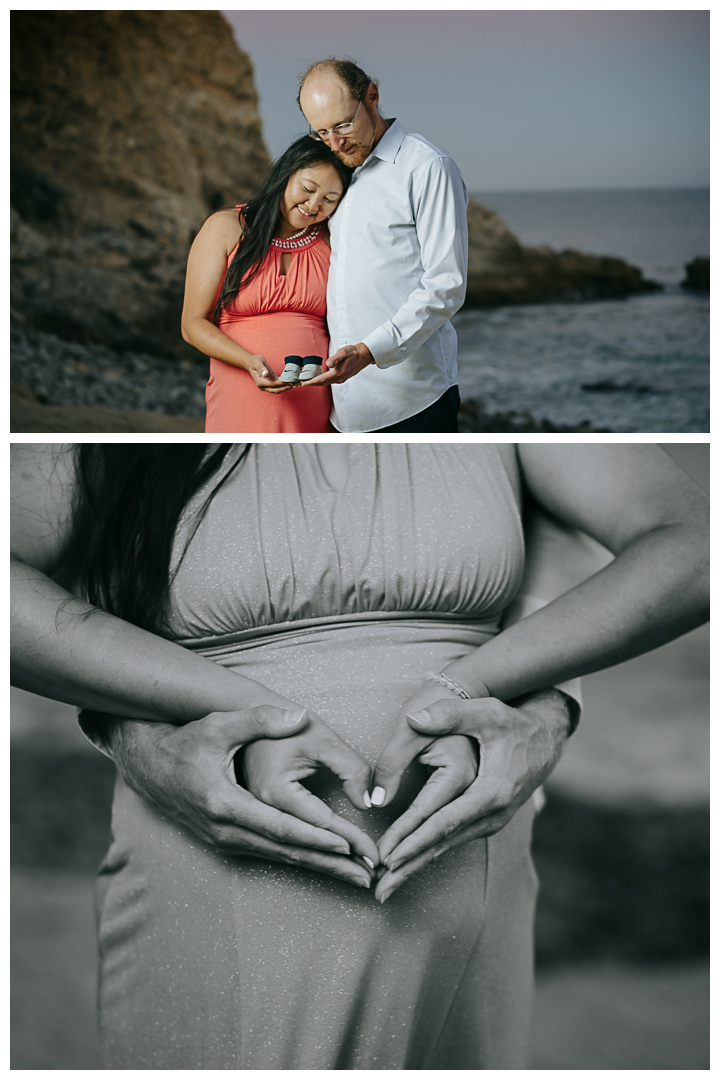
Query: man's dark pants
[(442, 415)]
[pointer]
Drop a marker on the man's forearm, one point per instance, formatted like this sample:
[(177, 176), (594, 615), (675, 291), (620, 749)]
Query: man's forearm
[(411, 326), (441, 227)]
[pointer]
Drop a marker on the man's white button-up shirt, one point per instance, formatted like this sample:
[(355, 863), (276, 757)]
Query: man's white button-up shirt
[(398, 270)]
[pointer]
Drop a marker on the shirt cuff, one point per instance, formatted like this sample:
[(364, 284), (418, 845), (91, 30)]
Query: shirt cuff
[(386, 352)]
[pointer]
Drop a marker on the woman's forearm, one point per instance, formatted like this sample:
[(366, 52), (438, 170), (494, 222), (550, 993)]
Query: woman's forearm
[(209, 339), (654, 591), (63, 648)]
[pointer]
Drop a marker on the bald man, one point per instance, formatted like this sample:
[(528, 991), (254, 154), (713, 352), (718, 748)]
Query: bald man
[(398, 266)]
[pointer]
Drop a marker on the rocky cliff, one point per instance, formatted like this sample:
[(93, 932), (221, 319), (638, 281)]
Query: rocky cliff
[(129, 128), (502, 271)]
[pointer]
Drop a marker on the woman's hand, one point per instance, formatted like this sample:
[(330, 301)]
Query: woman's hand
[(453, 760), (405, 744), (273, 770), (188, 772), (264, 377), (519, 747)]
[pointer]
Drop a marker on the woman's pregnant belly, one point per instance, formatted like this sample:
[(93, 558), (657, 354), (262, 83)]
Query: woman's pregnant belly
[(212, 960), (234, 403)]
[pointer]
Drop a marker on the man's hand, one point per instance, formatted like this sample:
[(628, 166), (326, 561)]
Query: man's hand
[(519, 747), (188, 772), (343, 365)]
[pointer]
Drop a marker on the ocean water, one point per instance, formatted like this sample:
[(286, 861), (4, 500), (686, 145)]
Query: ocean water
[(640, 364)]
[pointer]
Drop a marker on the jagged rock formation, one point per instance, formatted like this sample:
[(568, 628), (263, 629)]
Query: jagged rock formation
[(502, 271), (129, 128), (697, 275)]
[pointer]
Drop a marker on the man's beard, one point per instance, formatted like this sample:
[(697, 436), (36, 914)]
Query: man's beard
[(359, 152)]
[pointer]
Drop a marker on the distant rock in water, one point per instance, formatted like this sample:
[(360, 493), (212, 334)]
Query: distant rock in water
[(607, 386), (129, 128), (697, 275), (502, 271)]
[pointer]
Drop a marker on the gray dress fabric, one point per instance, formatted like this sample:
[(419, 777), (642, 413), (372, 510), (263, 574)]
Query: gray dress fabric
[(342, 601)]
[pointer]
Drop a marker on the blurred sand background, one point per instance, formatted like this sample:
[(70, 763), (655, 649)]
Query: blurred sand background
[(621, 850)]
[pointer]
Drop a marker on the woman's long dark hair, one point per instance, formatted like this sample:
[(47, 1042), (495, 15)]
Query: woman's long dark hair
[(262, 214), (128, 501)]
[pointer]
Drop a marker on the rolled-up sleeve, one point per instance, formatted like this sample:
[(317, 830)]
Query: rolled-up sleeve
[(441, 224)]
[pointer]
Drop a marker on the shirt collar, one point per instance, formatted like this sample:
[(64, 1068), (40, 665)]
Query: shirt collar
[(387, 148)]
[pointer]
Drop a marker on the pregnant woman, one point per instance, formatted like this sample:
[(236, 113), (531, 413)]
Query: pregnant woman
[(255, 293), (262, 621)]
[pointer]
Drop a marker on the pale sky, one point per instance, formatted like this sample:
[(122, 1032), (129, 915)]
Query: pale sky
[(522, 100)]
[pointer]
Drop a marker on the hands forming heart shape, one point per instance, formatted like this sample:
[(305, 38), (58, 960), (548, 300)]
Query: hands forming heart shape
[(273, 770), (486, 758)]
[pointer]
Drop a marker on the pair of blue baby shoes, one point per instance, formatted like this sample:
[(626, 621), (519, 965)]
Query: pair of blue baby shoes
[(301, 368)]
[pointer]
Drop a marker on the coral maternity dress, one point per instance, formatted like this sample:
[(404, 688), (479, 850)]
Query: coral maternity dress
[(276, 315), (342, 601)]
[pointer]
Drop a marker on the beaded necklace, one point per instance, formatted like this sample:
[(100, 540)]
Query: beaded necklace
[(298, 240)]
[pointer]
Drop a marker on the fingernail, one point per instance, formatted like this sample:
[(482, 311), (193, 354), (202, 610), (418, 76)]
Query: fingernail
[(423, 718), (345, 850), (366, 799), (378, 796), (295, 717), (370, 863), (263, 372)]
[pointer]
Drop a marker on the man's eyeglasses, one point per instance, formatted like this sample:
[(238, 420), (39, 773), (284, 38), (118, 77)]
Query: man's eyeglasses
[(340, 129)]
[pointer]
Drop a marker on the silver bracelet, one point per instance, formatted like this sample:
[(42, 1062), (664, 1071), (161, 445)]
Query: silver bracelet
[(442, 678)]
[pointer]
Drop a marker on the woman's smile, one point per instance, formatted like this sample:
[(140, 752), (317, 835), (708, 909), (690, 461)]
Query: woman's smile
[(311, 196)]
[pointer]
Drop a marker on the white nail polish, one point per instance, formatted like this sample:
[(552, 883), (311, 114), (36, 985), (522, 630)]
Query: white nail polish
[(378, 796), (422, 717), (370, 863), (295, 717), (367, 800)]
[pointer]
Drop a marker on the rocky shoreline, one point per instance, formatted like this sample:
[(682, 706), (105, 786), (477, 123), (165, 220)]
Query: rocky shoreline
[(67, 386), (61, 372)]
